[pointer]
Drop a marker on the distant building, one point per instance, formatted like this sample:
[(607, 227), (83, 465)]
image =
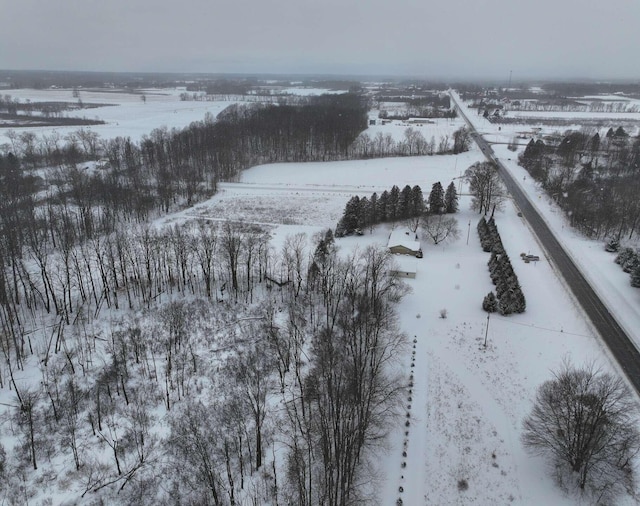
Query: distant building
[(403, 242), (419, 121)]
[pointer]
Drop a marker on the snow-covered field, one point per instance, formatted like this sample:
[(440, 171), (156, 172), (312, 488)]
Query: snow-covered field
[(467, 403), (126, 115), (439, 127)]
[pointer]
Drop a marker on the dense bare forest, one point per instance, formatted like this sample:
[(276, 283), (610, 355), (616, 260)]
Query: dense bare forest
[(192, 362), (594, 178)]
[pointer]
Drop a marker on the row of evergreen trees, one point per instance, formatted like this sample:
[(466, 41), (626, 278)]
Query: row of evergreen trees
[(441, 201), (392, 205), (629, 260), (508, 298)]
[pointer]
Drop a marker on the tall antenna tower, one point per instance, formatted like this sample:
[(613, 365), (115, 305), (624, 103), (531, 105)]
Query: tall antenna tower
[(510, 79)]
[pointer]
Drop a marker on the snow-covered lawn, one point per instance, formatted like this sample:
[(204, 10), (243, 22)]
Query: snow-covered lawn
[(467, 402)]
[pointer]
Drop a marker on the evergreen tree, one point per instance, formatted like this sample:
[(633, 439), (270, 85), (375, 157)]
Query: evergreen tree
[(620, 133), (631, 263), (451, 199), (530, 150), (351, 219), (594, 145), (635, 277), (373, 209), (383, 206), (392, 204), (624, 256), (364, 218), (417, 201), (490, 303), (436, 199), (404, 203)]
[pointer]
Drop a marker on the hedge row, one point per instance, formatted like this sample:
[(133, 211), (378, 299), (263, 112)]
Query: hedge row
[(508, 297)]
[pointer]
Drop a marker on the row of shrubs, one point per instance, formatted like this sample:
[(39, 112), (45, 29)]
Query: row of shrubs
[(629, 260), (508, 297)]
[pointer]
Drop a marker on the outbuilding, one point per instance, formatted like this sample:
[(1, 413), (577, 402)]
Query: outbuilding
[(404, 267)]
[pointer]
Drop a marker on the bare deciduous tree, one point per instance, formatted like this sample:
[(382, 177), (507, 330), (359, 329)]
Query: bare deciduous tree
[(440, 227), (485, 186), (585, 420)]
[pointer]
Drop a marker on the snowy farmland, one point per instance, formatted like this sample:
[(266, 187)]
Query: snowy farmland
[(472, 379), (467, 404), (125, 114)]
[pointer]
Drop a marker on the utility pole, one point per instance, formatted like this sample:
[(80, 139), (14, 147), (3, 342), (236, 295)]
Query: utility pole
[(510, 78), (468, 232), (486, 332)]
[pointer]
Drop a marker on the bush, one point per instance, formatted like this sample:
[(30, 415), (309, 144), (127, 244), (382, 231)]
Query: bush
[(490, 303)]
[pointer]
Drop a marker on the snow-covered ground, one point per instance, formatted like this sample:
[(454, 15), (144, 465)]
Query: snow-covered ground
[(437, 128), (467, 402), (126, 115), (611, 283)]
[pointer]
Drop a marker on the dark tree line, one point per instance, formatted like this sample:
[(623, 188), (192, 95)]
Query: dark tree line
[(407, 204), (508, 298), (166, 170), (393, 205), (594, 179)]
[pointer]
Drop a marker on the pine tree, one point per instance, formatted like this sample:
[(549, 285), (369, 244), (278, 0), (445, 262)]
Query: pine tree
[(436, 199), (364, 218), (490, 303), (351, 218), (506, 303), (392, 204), (383, 206), (417, 201), (451, 199), (373, 205), (624, 256), (620, 133), (404, 203), (635, 277), (631, 263)]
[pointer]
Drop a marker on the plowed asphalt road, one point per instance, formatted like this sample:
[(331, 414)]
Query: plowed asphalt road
[(612, 334)]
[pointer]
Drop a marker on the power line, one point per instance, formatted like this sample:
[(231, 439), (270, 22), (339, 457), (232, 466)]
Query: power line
[(531, 325)]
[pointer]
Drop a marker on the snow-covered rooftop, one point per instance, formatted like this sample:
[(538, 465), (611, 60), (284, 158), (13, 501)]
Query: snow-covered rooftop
[(403, 237), (406, 264)]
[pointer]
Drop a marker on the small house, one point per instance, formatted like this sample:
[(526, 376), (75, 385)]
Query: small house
[(404, 242)]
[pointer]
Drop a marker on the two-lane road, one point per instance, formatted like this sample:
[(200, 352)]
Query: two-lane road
[(616, 339)]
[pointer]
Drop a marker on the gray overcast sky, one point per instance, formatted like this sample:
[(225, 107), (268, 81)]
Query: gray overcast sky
[(444, 38)]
